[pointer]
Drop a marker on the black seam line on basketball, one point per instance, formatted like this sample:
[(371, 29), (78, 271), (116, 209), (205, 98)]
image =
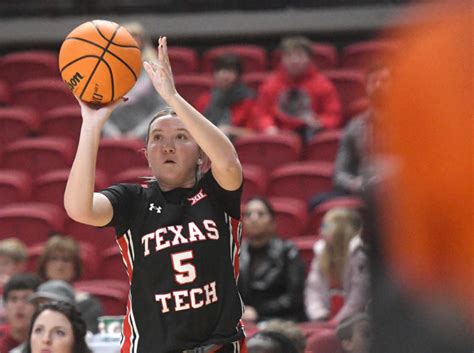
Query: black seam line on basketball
[(108, 51), (97, 65), (76, 60), (116, 44)]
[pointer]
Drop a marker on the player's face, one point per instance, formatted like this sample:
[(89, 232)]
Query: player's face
[(172, 153), (52, 332)]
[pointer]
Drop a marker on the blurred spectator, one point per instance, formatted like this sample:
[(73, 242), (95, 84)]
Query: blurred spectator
[(57, 327), (271, 279), (270, 342), (230, 104), (297, 96), (61, 260), (13, 256), (18, 310), (339, 263), (54, 290), (288, 329), (131, 118), (352, 170), (355, 333)]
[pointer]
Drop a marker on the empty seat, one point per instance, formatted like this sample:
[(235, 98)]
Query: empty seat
[(49, 187), (319, 211), (254, 57), (305, 245), (113, 298), (116, 155), (323, 146), (31, 222), (362, 55), (113, 265), (138, 175), (63, 121), (255, 181), (301, 180), (183, 60), (269, 151), (255, 79), (15, 186), (27, 65), (325, 56), (42, 95), (39, 155), (350, 85), (291, 216), (5, 93), (91, 261), (16, 123), (192, 86)]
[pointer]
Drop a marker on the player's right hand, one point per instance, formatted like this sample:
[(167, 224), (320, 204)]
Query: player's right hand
[(97, 114)]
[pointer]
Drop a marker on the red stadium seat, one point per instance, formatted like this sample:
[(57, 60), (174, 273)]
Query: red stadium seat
[(269, 151), (42, 95), (319, 211), (112, 298), (323, 147), (255, 181), (16, 123), (350, 85), (100, 237), (5, 93), (254, 57), (255, 79), (49, 187), (63, 121), (15, 186), (133, 175), (39, 155), (301, 180), (191, 87), (117, 155), (113, 266), (26, 65), (323, 341), (91, 261), (362, 55), (291, 216), (325, 56), (31, 222), (305, 245), (184, 60)]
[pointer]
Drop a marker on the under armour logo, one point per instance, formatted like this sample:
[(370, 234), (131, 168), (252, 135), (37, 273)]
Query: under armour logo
[(198, 197), (153, 207)]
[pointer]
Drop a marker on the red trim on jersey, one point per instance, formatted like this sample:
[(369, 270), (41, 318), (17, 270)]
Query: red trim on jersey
[(127, 332), (235, 236), (125, 255)]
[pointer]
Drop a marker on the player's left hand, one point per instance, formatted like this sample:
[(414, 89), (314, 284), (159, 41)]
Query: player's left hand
[(160, 73)]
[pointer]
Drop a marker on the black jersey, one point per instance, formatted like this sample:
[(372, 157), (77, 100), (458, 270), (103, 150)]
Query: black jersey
[(181, 253)]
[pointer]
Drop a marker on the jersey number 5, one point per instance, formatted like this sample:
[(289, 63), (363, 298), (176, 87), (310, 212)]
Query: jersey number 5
[(185, 272)]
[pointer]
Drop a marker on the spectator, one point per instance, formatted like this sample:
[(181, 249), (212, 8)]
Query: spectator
[(131, 118), (57, 327), (271, 279), (288, 329), (18, 310), (339, 263), (270, 342), (297, 96), (54, 290), (230, 103), (354, 333), (13, 256), (61, 260), (352, 171)]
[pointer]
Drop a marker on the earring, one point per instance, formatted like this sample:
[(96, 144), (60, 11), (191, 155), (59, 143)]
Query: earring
[(199, 161)]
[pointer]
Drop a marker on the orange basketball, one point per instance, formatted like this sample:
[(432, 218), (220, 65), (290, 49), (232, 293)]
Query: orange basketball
[(99, 61)]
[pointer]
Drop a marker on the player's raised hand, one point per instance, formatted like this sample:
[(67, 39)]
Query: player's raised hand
[(160, 73), (97, 114)]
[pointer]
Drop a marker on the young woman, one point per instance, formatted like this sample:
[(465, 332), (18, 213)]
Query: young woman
[(180, 235), (57, 327)]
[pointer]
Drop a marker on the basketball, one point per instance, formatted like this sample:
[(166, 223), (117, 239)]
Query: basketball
[(99, 61)]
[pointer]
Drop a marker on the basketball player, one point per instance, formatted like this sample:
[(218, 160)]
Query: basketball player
[(179, 236)]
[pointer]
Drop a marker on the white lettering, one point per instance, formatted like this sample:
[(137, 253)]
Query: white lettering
[(211, 295), (179, 296), (194, 303), (211, 227), (145, 239), (160, 245), (178, 237), (193, 231), (163, 298)]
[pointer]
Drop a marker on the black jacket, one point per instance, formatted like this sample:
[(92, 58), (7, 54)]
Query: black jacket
[(274, 286)]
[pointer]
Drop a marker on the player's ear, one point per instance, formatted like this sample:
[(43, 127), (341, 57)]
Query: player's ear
[(145, 153)]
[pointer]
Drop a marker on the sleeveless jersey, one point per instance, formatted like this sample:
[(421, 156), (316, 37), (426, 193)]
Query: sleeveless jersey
[(181, 253)]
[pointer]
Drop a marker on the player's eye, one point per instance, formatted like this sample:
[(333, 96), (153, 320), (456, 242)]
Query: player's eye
[(157, 137), (181, 137)]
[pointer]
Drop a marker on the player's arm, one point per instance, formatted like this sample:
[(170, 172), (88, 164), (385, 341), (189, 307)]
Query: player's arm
[(80, 201), (225, 165)]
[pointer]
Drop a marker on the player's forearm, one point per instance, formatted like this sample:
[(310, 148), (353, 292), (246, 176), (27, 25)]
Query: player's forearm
[(78, 196)]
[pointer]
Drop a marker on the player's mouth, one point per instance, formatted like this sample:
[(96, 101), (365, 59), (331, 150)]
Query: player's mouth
[(170, 161)]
